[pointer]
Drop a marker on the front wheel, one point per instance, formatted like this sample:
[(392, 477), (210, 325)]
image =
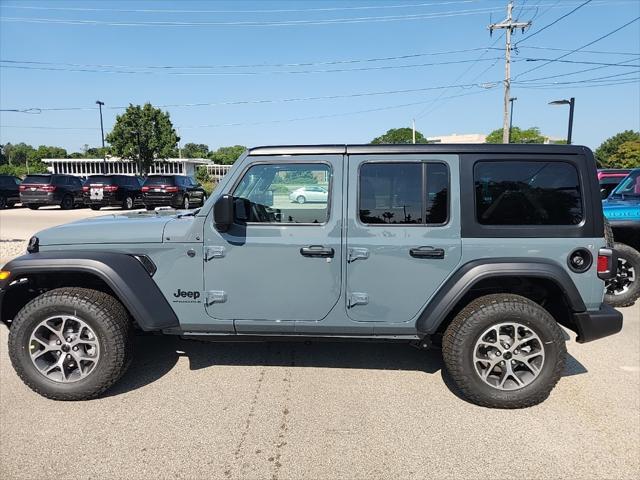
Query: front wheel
[(127, 203), (624, 289), (70, 343), (301, 199), (67, 202), (185, 202), (33, 206), (95, 207), (504, 351)]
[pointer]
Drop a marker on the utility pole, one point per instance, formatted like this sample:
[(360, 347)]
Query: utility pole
[(511, 100), (509, 26), (104, 154)]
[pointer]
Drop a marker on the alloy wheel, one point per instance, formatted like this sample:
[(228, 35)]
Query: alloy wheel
[(64, 348), (508, 356), (625, 276)]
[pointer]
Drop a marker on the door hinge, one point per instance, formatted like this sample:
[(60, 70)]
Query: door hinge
[(215, 296), (358, 298), (357, 253), (213, 252)]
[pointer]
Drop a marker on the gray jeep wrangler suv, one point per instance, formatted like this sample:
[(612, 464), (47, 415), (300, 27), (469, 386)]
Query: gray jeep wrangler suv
[(483, 250)]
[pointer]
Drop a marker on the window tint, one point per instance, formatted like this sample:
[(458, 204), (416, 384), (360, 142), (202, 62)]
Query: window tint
[(527, 193), (159, 180), (391, 193), (100, 179), (277, 193), (437, 195), (37, 179)]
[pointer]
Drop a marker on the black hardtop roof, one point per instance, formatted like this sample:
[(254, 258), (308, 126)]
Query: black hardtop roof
[(369, 149)]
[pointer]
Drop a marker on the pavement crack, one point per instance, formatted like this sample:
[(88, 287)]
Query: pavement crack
[(281, 440)]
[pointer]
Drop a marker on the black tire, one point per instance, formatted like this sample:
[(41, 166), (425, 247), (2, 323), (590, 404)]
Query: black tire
[(95, 207), (150, 208), (67, 202), (301, 199), (608, 233), (3, 202), (185, 202), (127, 203), (103, 313), (33, 206), (460, 338), (624, 289), (11, 204)]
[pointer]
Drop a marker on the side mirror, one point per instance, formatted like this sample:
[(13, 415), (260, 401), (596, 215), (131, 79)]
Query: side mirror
[(603, 193), (223, 213)]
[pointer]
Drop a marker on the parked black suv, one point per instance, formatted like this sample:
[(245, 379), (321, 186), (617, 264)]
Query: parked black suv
[(51, 189), (123, 191), (178, 191), (9, 191)]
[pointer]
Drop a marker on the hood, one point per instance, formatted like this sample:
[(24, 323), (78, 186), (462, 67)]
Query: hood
[(619, 209), (123, 228)]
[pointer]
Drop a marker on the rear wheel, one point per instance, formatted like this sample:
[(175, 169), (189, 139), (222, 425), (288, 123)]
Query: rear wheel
[(504, 351), (301, 199), (95, 207), (127, 203), (33, 206), (624, 289), (3, 202), (70, 343), (150, 207), (67, 202)]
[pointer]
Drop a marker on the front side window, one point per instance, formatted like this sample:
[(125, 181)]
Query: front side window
[(404, 193), (284, 194), (630, 186), (527, 193)]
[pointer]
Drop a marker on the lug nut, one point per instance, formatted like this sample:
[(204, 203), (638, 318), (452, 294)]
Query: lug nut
[(68, 339), (58, 342), (75, 349), (68, 356), (58, 353), (498, 353)]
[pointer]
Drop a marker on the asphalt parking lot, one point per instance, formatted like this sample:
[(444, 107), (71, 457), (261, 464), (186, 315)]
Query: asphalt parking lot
[(190, 410)]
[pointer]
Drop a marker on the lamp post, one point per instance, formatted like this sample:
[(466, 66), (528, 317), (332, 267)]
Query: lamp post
[(511, 100), (104, 154), (571, 102)]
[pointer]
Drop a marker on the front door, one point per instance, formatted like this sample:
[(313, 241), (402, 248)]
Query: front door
[(403, 233), (281, 260)]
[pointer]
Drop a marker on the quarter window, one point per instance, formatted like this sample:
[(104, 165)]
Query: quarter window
[(404, 193), (284, 194), (527, 193)]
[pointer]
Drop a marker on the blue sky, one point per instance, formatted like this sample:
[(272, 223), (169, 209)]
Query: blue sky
[(91, 49)]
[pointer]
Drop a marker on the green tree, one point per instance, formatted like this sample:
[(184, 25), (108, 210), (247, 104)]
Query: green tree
[(195, 150), (518, 135), (18, 154), (607, 152), (627, 155), (227, 155), (143, 133), (399, 135)]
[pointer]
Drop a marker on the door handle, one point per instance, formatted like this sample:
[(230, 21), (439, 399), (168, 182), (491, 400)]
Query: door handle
[(427, 252), (317, 251)]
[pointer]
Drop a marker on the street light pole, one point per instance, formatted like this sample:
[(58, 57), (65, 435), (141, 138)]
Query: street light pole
[(511, 100), (571, 102), (104, 154)]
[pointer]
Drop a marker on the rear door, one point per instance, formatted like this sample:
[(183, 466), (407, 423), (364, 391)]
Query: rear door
[(403, 233), (281, 261)]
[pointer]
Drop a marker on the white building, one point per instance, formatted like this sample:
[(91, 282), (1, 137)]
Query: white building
[(83, 167), (459, 138)]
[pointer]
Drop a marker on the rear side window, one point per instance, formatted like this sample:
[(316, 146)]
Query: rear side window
[(159, 180), (46, 179), (404, 193), (527, 193)]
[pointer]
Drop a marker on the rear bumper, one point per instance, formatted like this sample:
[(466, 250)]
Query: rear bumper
[(49, 198), (158, 200), (592, 325)]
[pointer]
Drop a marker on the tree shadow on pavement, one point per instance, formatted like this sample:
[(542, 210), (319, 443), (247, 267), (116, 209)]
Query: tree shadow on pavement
[(156, 355)]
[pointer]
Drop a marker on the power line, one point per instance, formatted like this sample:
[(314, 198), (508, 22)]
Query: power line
[(580, 48), (256, 65), (579, 71), (259, 101), (239, 73), (579, 62), (287, 10), (553, 23), (274, 23), (600, 52)]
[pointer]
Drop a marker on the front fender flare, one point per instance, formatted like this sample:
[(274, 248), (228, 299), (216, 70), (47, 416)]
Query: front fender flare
[(124, 274), (469, 274)]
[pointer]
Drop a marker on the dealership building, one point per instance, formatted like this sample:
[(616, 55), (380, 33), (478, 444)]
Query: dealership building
[(83, 167)]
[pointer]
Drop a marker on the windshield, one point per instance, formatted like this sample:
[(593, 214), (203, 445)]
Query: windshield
[(630, 186)]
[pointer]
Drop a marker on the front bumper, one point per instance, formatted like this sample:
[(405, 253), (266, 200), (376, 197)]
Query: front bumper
[(592, 325)]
